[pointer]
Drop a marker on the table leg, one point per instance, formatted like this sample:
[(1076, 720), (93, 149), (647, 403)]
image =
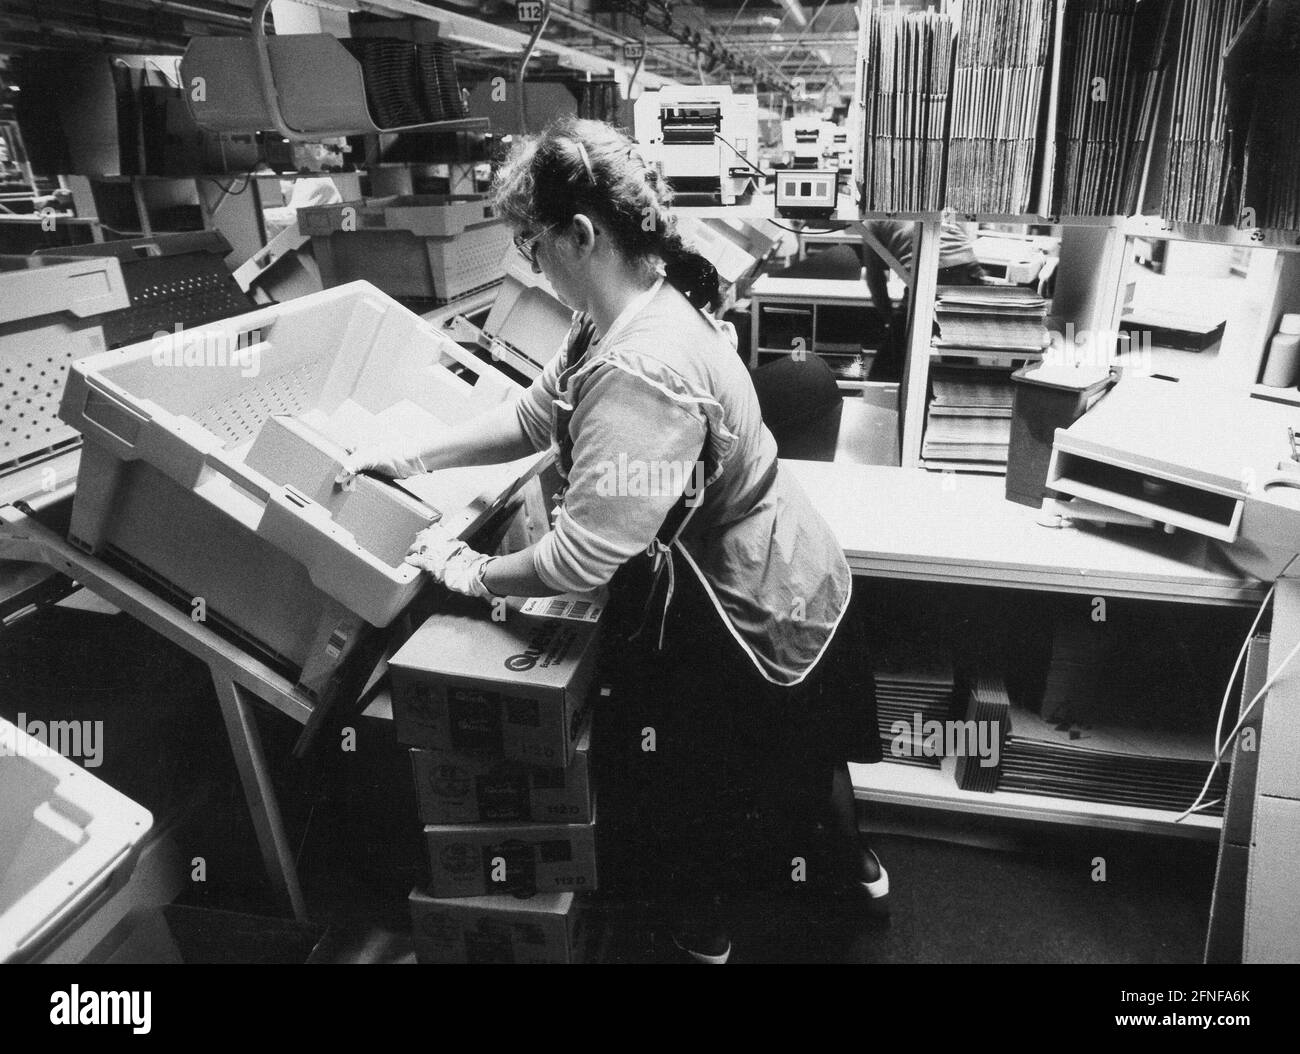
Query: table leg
[(246, 745)]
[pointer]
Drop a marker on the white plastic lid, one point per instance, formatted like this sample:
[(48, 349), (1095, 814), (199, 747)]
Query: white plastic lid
[(1289, 324)]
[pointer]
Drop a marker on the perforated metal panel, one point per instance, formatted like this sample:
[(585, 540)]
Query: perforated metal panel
[(239, 418)]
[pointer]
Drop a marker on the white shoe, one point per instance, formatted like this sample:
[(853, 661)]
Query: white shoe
[(880, 887)]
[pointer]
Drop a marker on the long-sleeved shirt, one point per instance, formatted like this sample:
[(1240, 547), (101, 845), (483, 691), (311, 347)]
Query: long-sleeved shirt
[(955, 245), (667, 390)]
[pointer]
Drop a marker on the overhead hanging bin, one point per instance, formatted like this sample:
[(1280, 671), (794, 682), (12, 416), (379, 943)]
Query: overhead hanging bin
[(315, 86)]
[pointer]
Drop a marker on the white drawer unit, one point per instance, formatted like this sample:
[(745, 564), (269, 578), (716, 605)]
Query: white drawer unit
[(1183, 456)]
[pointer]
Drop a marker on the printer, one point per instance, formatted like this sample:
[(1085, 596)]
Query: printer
[(702, 138)]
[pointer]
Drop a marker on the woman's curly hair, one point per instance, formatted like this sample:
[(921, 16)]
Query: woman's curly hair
[(582, 166)]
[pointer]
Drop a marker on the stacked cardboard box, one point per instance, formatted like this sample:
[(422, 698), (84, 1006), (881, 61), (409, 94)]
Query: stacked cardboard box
[(494, 705)]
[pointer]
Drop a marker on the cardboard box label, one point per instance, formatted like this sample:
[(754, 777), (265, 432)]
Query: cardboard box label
[(520, 859), (548, 928), (454, 787), (474, 718), (515, 689)]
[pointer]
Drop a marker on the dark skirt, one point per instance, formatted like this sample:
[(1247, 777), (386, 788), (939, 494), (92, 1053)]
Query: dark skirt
[(704, 765)]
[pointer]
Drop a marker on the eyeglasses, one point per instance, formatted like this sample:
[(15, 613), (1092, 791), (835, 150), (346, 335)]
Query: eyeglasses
[(528, 246)]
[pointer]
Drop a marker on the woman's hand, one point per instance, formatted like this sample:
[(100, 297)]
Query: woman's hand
[(396, 459), (450, 561)]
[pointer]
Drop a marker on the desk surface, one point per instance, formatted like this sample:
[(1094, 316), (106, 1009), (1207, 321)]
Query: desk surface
[(908, 523), (771, 287)]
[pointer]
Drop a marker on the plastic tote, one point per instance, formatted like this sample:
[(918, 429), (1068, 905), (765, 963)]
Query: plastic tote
[(431, 247), (165, 484), (67, 841)]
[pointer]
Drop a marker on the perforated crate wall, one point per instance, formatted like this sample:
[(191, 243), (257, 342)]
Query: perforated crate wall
[(239, 418), (33, 367), (468, 262)]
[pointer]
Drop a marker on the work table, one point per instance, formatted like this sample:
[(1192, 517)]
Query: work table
[(909, 523)]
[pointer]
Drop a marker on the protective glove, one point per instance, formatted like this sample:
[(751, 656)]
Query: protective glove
[(394, 458), (450, 561)]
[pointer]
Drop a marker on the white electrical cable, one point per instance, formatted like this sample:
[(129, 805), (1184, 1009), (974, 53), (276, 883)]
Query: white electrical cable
[(1227, 692), (1245, 714)]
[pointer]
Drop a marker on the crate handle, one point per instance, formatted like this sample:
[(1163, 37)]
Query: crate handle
[(239, 476), (113, 417)]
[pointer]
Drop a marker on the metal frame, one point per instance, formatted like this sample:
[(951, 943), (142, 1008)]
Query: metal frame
[(239, 679)]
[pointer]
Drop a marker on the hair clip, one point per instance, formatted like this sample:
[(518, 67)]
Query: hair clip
[(586, 162)]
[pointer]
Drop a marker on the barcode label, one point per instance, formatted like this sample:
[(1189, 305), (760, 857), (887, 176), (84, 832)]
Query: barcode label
[(565, 607)]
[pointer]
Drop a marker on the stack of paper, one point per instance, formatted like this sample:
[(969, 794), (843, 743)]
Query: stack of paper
[(979, 762), (995, 320), (1197, 176), (908, 67), (999, 328), (1272, 160), (911, 690), (1120, 765), (1111, 59), (1127, 716), (1275, 149), (968, 421), (997, 90)]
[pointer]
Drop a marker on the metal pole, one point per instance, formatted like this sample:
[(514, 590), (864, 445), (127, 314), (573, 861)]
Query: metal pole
[(535, 36), (636, 70)]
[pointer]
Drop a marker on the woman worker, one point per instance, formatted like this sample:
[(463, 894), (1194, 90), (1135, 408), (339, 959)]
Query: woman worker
[(727, 667)]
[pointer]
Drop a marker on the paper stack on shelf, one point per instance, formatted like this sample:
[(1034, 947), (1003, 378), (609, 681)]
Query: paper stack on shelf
[(1115, 764), (909, 65), (968, 437), (1275, 142), (1110, 77), (988, 708), (997, 88), (1125, 718), (912, 689), (968, 420), (993, 320), (1272, 161), (1198, 173)]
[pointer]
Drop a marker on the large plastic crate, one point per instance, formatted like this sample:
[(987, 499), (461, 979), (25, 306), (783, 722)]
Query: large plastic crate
[(172, 279), (430, 247), (66, 840), (165, 484), (51, 314), (527, 324)]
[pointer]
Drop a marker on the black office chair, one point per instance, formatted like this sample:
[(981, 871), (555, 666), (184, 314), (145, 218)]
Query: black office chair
[(801, 406)]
